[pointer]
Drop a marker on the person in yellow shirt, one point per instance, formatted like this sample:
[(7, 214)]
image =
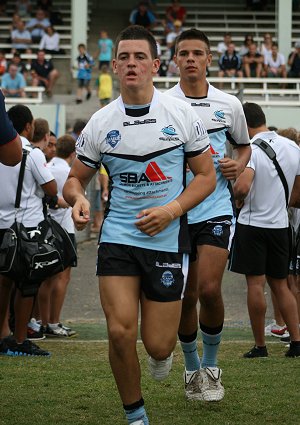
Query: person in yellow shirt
[(105, 86)]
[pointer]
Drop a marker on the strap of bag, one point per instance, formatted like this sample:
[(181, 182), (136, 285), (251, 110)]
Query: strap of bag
[(269, 151), (21, 178)]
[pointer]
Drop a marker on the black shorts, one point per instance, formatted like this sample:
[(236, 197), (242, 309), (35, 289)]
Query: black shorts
[(163, 274), (73, 239), (83, 83), (260, 251), (217, 231), (294, 263)]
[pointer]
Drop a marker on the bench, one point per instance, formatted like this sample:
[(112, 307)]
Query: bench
[(29, 100)]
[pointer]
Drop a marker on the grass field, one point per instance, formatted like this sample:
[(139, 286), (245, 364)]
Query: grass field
[(75, 386)]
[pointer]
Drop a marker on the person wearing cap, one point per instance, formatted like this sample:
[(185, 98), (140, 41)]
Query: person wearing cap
[(171, 37), (294, 62)]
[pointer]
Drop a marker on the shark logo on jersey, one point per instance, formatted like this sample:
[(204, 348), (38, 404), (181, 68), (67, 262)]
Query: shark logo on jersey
[(113, 138), (169, 132), (219, 116), (167, 279), (80, 141)]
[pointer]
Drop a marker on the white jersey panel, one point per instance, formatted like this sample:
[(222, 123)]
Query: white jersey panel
[(222, 115), (145, 161), (31, 206), (60, 170), (265, 204)]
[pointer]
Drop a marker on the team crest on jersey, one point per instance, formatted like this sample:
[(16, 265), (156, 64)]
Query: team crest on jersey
[(169, 132), (219, 116), (167, 279), (113, 138), (80, 141)]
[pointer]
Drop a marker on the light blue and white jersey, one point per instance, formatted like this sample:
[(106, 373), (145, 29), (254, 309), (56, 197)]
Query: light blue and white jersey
[(145, 161), (222, 115)]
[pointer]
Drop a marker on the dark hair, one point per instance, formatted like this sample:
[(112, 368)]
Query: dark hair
[(192, 34), (41, 128), (65, 145), (255, 116), (137, 32), (20, 115), (79, 126), (52, 134)]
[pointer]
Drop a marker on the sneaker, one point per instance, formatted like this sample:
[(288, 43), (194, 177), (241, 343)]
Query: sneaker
[(256, 352), (192, 386), (55, 331), (88, 96), (293, 351), (278, 331), (160, 369), (34, 331), (3, 344), (71, 333), (27, 348), (269, 327), (286, 338), (138, 423), (78, 101), (211, 385)]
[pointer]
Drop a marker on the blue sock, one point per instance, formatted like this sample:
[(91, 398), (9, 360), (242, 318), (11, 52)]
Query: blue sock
[(190, 352), (210, 349), (137, 415)]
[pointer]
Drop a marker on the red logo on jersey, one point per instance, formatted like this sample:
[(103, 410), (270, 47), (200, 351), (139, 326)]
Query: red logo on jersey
[(213, 152), (154, 173)]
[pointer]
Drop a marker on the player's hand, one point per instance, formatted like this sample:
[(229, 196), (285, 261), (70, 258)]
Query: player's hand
[(81, 213), (230, 168), (153, 220)]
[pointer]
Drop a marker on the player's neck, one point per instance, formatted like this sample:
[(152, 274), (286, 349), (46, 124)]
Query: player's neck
[(194, 88), (139, 96)]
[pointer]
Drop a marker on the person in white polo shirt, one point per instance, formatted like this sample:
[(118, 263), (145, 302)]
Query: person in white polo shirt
[(261, 245), (38, 180)]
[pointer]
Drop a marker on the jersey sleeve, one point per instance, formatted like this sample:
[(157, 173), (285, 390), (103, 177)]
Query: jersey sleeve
[(237, 134), (87, 149), (7, 131), (198, 140), (40, 171)]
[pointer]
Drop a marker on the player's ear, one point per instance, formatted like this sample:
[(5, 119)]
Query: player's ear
[(155, 66), (114, 66)]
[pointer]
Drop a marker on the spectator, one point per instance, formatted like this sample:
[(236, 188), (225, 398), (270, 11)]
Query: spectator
[(46, 6), (85, 63), (294, 62), (3, 7), (15, 19), (245, 46), (13, 83), (171, 37), (50, 41), (230, 64), (105, 45), (3, 63), (266, 45), (253, 62), (50, 149), (38, 25), (173, 70), (174, 12), (52, 291), (43, 73), (142, 16), (105, 86), (20, 37), (16, 60), (23, 8), (223, 45), (274, 63), (261, 247), (37, 178), (77, 128)]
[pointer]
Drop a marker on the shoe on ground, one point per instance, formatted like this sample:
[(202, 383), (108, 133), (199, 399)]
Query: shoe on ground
[(88, 96), (138, 423), (26, 349), (269, 327), (160, 369), (285, 338), (78, 101), (3, 343), (256, 352), (71, 333), (211, 385), (55, 332), (278, 331), (34, 331), (293, 351), (192, 385)]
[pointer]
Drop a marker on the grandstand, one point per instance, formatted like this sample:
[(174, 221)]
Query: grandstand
[(214, 18)]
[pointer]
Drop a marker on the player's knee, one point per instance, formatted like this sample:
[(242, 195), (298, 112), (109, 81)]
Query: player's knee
[(209, 292), (160, 353), (120, 335)]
